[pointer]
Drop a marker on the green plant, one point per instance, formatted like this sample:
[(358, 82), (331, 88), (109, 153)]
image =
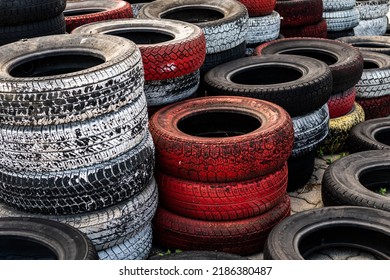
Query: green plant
[(382, 191), (168, 252)]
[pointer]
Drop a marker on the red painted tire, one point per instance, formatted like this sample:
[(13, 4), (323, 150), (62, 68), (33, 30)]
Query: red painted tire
[(342, 103), (242, 237), (257, 8), (221, 139), (169, 48), (82, 12), (316, 30), (374, 108), (299, 12), (222, 201)]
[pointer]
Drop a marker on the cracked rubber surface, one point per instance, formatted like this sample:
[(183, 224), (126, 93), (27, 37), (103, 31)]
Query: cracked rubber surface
[(338, 5), (371, 27), (372, 9), (263, 28), (342, 20)]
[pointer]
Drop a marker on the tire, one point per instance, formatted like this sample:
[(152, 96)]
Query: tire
[(37, 98), (108, 226), (223, 23), (198, 255), (342, 20), (379, 44), (254, 77), (136, 7), (263, 28), (364, 173), (78, 13), (242, 237), (342, 103), (83, 189), (316, 30), (225, 201), (22, 12), (345, 62), (13, 33), (371, 27), (343, 33), (370, 135), (299, 12), (169, 49), (375, 80), (372, 9), (194, 148), (35, 238), (375, 107), (258, 8), (303, 234), (300, 170), (339, 129), (338, 5)]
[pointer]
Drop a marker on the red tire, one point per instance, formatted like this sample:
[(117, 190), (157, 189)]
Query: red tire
[(242, 237), (316, 30), (222, 201), (257, 8), (221, 139), (299, 12), (82, 12), (374, 108), (342, 103)]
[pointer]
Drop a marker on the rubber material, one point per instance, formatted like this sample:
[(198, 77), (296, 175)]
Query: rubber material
[(340, 104), (378, 107), (316, 30), (342, 20), (343, 33), (299, 12), (380, 44), (372, 27)]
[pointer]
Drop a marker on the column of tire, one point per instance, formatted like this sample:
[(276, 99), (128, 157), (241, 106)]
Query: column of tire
[(341, 17), (75, 141), (22, 19), (263, 23), (373, 17), (222, 173), (80, 12), (301, 18), (172, 53)]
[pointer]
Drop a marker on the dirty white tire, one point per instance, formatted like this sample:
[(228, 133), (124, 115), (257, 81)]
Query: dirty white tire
[(371, 27), (47, 148), (338, 5), (372, 9), (263, 29), (137, 247), (81, 189), (67, 78), (109, 226), (225, 29), (341, 20)]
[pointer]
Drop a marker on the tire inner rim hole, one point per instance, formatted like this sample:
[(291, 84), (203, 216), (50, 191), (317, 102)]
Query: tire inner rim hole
[(143, 37), (80, 12), (383, 136), (218, 124), (326, 57), (193, 14), (376, 179), (18, 248), (370, 45), (370, 65), (266, 75), (344, 241), (54, 65)]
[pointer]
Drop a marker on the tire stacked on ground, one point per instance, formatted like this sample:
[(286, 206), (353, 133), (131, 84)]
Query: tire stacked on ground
[(222, 173), (263, 23), (80, 12), (172, 54), (28, 19), (373, 17), (136, 5), (379, 44), (301, 18), (341, 17), (224, 23), (76, 145)]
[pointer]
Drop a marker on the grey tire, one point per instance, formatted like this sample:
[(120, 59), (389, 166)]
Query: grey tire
[(338, 5), (371, 27), (372, 9), (341, 20), (263, 29)]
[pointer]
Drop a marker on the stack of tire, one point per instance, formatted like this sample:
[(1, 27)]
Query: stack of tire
[(80, 12), (373, 17), (301, 18), (224, 23), (263, 23), (341, 17), (172, 53), (75, 141), (222, 173), (28, 19)]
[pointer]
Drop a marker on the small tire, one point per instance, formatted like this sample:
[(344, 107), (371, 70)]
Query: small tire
[(371, 9)]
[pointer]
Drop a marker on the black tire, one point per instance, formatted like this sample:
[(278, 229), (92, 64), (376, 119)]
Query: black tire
[(64, 93), (364, 174), (345, 62), (198, 255), (303, 79), (300, 169), (26, 238), (13, 33), (379, 44), (300, 235), (370, 135), (25, 11), (343, 33)]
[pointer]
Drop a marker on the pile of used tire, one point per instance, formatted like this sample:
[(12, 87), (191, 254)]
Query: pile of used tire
[(76, 145), (373, 19), (222, 173)]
